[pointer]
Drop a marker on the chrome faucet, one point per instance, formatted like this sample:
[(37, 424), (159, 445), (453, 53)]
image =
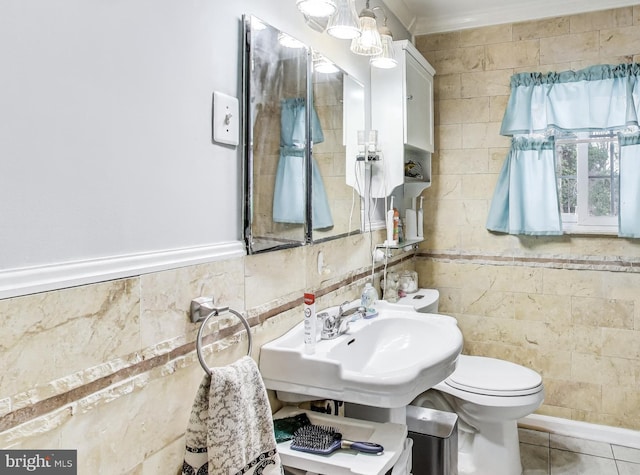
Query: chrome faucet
[(335, 320)]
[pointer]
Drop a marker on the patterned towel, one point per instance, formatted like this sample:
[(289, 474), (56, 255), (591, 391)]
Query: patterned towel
[(230, 430)]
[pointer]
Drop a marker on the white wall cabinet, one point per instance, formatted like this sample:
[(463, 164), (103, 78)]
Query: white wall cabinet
[(418, 121), (402, 112)]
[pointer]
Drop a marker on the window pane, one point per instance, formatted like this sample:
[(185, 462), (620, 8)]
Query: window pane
[(599, 197), (602, 197), (566, 156), (599, 159), (603, 178), (568, 188)]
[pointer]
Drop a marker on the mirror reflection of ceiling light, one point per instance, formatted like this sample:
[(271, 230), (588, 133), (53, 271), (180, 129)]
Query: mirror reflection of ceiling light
[(317, 8), (322, 65), (289, 41)]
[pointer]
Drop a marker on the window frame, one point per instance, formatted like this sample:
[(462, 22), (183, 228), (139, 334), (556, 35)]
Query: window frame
[(581, 222)]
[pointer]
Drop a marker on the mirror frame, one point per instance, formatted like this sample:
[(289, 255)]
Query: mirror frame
[(248, 147)]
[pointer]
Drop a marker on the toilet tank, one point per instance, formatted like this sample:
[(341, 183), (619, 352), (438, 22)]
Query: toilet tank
[(424, 300)]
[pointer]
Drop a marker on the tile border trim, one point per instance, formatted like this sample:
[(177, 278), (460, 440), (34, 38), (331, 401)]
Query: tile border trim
[(598, 263)]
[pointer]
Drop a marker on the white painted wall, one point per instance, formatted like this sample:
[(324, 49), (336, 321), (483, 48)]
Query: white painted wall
[(107, 165)]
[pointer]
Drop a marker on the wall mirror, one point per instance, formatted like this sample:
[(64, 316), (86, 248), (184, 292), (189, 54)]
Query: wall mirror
[(295, 189)]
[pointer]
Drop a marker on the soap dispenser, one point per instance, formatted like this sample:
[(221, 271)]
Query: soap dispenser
[(368, 298)]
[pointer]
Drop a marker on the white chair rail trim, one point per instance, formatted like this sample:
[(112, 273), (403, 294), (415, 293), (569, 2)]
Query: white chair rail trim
[(23, 281)]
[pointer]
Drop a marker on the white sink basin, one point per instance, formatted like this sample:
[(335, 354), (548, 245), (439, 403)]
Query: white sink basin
[(386, 361)]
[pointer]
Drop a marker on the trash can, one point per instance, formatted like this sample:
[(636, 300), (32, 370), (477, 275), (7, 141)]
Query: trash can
[(435, 441)]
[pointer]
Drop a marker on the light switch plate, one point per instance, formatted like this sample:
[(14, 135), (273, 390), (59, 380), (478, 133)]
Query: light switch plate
[(226, 119)]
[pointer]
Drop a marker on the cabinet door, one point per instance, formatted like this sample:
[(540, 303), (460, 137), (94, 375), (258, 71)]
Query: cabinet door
[(419, 106)]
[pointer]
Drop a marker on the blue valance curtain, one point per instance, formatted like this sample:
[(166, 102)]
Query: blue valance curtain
[(603, 97), (599, 98)]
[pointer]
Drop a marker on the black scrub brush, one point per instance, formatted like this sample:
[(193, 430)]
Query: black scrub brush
[(323, 440)]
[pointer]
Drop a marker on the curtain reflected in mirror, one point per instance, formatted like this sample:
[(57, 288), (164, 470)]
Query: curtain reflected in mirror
[(295, 157)]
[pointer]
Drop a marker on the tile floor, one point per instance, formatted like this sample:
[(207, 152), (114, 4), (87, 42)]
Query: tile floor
[(551, 454)]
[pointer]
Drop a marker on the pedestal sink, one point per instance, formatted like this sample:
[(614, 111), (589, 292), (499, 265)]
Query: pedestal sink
[(385, 361)]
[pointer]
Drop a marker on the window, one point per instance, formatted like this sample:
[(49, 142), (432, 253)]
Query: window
[(597, 174), (588, 172)]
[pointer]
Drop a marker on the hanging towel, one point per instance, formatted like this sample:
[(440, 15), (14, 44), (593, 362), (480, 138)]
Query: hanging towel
[(230, 430), (289, 197)]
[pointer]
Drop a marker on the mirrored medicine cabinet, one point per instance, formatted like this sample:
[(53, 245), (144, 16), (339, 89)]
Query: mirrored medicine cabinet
[(295, 191)]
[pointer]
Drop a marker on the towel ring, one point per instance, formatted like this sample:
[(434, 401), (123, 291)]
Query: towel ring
[(216, 312)]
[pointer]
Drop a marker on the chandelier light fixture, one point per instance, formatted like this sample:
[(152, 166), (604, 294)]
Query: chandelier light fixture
[(386, 59), (369, 42), (317, 8), (344, 23)]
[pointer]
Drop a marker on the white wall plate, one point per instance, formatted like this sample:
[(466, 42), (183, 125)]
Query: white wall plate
[(226, 119)]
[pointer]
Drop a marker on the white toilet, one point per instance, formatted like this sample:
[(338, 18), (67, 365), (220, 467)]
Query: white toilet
[(489, 396)]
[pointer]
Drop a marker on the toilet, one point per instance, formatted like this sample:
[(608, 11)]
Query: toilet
[(489, 395)]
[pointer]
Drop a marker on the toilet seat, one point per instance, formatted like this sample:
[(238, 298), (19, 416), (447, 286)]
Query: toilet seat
[(493, 377)]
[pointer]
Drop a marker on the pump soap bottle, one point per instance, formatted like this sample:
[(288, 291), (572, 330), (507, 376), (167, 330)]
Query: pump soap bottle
[(368, 298)]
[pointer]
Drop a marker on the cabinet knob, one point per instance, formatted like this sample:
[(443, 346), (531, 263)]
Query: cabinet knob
[(410, 97)]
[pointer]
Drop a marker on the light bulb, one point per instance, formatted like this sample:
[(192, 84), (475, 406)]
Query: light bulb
[(317, 8), (344, 24), (387, 58), (368, 43)]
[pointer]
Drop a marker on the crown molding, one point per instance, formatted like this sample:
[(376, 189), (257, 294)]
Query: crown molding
[(510, 12)]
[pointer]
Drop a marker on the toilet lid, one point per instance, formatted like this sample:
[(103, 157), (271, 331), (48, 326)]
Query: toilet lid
[(493, 377)]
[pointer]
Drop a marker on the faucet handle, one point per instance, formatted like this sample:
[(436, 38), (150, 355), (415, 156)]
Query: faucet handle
[(328, 325), (344, 325), (322, 317)]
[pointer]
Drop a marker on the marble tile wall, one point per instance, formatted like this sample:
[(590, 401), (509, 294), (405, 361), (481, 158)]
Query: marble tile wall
[(569, 306), (110, 369)]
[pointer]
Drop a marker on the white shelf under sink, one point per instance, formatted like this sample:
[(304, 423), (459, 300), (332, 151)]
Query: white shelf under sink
[(346, 462)]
